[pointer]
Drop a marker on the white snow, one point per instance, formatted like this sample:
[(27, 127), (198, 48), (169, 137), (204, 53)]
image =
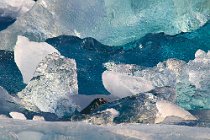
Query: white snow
[(29, 54)]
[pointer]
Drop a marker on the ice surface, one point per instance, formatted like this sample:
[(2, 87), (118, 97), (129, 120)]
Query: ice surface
[(111, 22), (54, 81), (15, 129), (29, 54), (15, 8), (189, 79)]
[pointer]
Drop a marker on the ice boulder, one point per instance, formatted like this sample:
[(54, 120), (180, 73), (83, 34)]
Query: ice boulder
[(122, 85), (190, 80), (111, 22), (15, 8), (51, 87), (140, 108), (17, 115), (29, 54)]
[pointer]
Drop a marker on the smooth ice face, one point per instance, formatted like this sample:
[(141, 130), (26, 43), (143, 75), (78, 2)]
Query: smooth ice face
[(54, 81), (111, 22), (167, 109), (122, 85), (29, 54), (15, 8), (191, 80)]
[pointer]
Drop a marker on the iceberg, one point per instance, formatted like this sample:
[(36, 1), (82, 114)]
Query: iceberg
[(110, 22), (51, 87), (29, 54), (190, 80), (14, 8), (124, 85), (140, 108)]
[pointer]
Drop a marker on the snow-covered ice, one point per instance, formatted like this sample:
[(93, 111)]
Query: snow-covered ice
[(15, 129)]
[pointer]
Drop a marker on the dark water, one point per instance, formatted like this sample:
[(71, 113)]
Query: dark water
[(5, 22)]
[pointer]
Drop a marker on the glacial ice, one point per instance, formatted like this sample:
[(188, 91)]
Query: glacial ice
[(190, 80), (54, 81), (29, 54), (140, 108), (124, 85), (15, 129), (111, 22), (15, 8)]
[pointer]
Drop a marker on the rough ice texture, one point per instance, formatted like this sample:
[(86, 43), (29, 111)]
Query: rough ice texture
[(15, 8), (189, 79), (111, 22), (54, 81), (15, 129), (141, 108), (29, 54)]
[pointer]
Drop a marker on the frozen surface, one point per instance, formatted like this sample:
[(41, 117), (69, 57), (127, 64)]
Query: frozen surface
[(29, 54), (54, 81), (111, 22), (14, 129), (189, 79), (15, 8)]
